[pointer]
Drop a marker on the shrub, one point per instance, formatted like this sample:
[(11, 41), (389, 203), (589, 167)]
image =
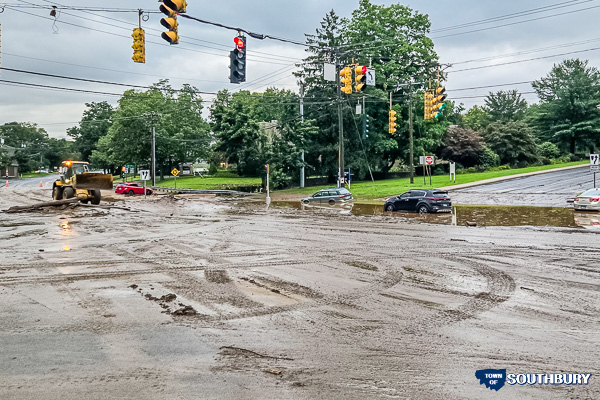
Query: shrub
[(548, 150), (489, 159), (279, 180)]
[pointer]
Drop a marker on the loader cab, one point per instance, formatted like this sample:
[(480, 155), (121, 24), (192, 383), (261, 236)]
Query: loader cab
[(70, 168)]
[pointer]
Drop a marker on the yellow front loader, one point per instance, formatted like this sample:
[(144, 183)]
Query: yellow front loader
[(76, 181)]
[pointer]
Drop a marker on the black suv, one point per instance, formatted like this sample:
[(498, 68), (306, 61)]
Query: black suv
[(329, 196), (420, 200)]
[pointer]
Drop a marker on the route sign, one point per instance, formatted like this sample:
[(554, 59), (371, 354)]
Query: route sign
[(145, 175), (594, 163), (370, 77), (175, 172)]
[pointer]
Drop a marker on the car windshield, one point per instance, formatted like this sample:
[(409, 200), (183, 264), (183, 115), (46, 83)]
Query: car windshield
[(591, 192), (440, 194), (343, 191)]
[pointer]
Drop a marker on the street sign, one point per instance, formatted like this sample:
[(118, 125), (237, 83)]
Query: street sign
[(145, 175), (594, 163), (429, 160), (175, 172), (370, 77), (329, 72)]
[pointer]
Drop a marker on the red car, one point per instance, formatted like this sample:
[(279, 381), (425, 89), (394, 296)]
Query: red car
[(132, 188)]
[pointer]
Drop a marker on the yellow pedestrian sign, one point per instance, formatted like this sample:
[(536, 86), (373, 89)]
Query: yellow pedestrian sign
[(175, 172)]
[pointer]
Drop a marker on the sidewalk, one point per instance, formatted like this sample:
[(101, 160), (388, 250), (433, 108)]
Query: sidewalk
[(506, 178)]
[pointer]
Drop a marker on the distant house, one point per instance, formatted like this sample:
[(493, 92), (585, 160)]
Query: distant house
[(12, 171)]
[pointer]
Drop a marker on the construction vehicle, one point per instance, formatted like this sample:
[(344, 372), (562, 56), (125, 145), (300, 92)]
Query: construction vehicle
[(76, 181)]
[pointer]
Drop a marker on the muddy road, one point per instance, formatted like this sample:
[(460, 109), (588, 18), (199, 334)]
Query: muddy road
[(192, 297)]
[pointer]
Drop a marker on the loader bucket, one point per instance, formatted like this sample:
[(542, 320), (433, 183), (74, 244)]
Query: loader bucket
[(93, 181)]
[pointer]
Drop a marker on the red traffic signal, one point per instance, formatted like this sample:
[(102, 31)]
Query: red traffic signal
[(239, 43)]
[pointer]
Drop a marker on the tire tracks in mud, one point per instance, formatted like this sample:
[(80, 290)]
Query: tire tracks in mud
[(500, 287)]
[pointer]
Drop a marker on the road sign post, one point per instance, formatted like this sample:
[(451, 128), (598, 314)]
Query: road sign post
[(175, 172), (594, 165), (144, 176), (268, 197)]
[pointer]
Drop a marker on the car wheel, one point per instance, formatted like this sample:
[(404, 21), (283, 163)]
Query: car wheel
[(67, 193), (306, 201), (130, 193), (148, 192), (423, 209), (96, 197), (331, 202), (390, 207), (57, 193)]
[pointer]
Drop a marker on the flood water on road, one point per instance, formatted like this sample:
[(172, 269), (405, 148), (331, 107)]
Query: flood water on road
[(470, 215)]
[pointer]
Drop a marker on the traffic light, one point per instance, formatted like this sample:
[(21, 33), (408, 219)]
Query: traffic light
[(438, 102), (428, 105), (170, 22), (346, 80), (176, 5), (139, 45), (360, 78), (392, 122), (237, 59)]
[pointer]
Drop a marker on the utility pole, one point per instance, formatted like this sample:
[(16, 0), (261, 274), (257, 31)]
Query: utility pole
[(341, 124), (410, 134), (153, 155), (302, 119)]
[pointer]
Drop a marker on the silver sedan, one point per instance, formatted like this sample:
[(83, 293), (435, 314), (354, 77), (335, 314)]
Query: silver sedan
[(588, 200)]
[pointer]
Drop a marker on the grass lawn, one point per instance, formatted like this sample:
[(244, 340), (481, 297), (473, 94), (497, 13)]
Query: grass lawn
[(363, 191), (367, 190)]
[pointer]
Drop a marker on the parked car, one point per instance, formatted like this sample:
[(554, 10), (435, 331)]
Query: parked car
[(132, 188), (588, 200), (329, 196), (420, 200)]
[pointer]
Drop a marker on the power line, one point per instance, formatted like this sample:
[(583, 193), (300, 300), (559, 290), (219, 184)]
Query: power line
[(513, 15), (521, 61)]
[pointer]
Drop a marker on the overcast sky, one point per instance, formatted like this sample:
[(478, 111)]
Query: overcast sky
[(519, 42)]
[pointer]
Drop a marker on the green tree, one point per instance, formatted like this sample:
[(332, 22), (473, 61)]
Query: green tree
[(30, 143), (238, 134), (504, 106), (567, 114), (182, 135), (476, 118), (461, 145), (93, 125), (513, 141), (394, 41), (5, 159)]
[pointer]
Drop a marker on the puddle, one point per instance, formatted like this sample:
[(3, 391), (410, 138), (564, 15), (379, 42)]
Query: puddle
[(471, 215)]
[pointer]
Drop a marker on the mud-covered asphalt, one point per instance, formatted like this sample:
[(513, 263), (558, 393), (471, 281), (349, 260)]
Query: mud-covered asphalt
[(192, 297)]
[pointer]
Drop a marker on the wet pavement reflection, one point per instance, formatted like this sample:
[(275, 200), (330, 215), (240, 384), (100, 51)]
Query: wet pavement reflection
[(469, 215)]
